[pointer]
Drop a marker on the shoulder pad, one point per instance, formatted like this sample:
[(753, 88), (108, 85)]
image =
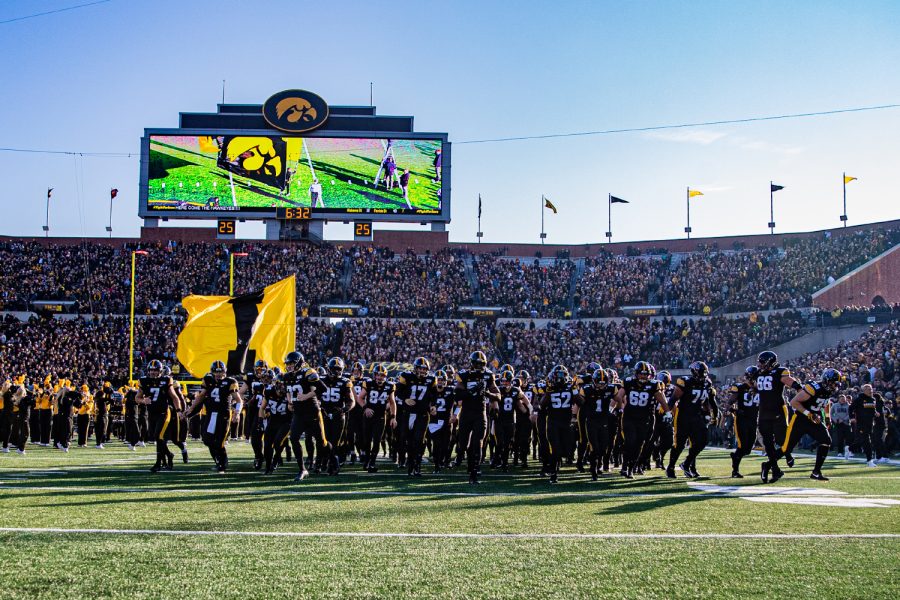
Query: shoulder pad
[(312, 376), (735, 388), (681, 382), (811, 388), (784, 372)]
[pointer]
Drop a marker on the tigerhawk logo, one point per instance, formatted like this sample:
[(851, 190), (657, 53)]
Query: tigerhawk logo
[(295, 111)]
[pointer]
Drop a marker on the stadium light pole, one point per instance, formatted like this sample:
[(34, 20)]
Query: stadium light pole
[(231, 271), (134, 254)]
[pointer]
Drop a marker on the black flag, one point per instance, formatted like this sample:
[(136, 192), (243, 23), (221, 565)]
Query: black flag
[(775, 188), (615, 200), (479, 206)]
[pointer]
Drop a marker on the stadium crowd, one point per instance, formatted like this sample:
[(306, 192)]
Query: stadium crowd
[(525, 288)]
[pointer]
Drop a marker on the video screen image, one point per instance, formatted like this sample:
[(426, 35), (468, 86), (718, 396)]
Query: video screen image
[(262, 173)]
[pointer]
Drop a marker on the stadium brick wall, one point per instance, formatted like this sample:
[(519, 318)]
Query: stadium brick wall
[(880, 278)]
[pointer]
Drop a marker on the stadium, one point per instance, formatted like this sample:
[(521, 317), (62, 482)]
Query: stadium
[(190, 409)]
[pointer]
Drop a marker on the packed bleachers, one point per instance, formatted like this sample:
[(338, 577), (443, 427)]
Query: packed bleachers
[(407, 285), (525, 288)]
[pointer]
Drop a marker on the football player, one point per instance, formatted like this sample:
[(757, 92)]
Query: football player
[(179, 426), (560, 405), (637, 398), (304, 388), (355, 417), (274, 415), (745, 410), (808, 418), (378, 404), (411, 389), (583, 444), (507, 411), (695, 406), (156, 393), (253, 389), (663, 435), (522, 440), (439, 425), (337, 400), (475, 388), (222, 400), (770, 383), (599, 396)]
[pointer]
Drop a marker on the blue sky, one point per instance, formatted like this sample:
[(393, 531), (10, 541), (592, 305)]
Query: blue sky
[(92, 79)]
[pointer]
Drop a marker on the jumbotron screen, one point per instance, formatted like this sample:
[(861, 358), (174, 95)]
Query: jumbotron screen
[(258, 174)]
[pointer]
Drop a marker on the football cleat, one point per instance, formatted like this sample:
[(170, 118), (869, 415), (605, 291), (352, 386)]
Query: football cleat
[(776, 475), (764, 472), (817, 476), (736, 475), (301, 475), (789, 459)]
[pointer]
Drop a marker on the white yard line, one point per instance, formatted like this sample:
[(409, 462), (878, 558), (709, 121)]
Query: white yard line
[(505, 536)]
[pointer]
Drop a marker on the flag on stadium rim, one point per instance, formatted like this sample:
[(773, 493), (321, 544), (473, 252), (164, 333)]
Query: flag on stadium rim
[(239, 330), (693, 193), (49, 191), (775, 187), (615, 200), (113, 193), (548, 204), (848, 179), (479, 206)]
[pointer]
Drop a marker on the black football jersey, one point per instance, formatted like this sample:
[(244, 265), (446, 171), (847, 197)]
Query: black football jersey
[(377, 395), (338, 394), (302, 381), (559, 400), (745, 400), (640, 397), (276, 400), (472, 398), (218, 396), (771, 392), (509, 403), (818, 397), (257, 391), (597, 400), (157, 390), (418, 389), (697, 395), (443, 401)]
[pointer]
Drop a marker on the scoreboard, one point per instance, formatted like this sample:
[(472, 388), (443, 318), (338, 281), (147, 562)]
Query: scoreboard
[(295, 159)]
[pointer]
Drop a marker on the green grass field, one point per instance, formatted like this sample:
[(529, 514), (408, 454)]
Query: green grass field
[(192, 533), (346, 169)]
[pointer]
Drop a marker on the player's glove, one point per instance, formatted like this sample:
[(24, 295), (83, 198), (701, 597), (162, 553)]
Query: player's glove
[(668, 418)]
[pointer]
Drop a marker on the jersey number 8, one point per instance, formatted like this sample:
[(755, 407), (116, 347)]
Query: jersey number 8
[(638, 398)]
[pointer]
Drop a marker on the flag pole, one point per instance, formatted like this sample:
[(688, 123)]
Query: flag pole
[(47, 217), (479, 235), (131, 325), (609, 230), (844, 216), (109, 228), (687, 229), (543, 235), (771, 210)]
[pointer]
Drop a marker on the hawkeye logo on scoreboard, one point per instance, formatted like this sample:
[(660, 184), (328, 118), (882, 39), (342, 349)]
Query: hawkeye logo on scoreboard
[(295, 111)]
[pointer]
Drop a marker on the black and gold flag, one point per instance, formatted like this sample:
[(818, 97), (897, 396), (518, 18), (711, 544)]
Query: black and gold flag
[(239, 330)]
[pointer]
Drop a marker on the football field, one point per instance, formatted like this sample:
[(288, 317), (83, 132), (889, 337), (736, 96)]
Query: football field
[(96, 524)]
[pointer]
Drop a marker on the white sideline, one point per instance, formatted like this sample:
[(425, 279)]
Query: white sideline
[(509, 536)]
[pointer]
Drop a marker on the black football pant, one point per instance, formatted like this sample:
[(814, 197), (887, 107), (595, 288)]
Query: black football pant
[(597, 431), (541, 435), (160, 433), (398, 436), (472, 429), (801, 425), (647, 448), (504, 430), (372, 431), (691, 429), (662, 438), (866, 428), (353, 435), (278, 431), (335, 425), (878, 439), (582, 436), (254, 431), (559, 441), (744, 437), (35, 426), (132, 431), (440, 446), (522, 439), (634, 434), (215, 435), (768, 431), (416, 425), (313, 428), (143, 423)]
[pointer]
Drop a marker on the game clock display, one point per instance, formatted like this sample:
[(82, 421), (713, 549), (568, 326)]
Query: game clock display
[(270, 174)]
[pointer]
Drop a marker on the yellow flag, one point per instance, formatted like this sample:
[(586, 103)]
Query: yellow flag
[(693, 193), (548, 204), (240, 330), (848, 179)]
